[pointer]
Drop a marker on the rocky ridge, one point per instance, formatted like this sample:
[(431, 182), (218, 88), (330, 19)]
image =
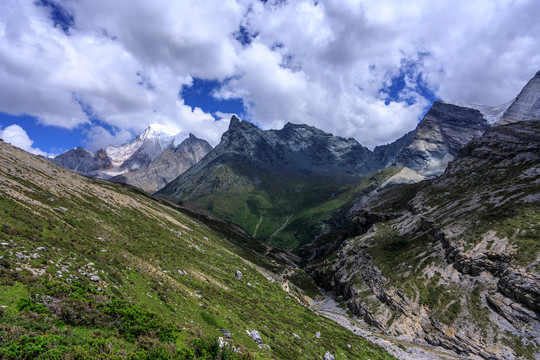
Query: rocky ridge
[(453, 261)]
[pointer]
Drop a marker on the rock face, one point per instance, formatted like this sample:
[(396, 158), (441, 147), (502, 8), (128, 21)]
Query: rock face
[(439, 136), (452, 261), (526, 106), (154, 174), (149, 161)]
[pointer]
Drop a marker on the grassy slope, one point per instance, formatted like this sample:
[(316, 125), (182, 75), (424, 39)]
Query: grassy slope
[(137, 246), (287, 212)]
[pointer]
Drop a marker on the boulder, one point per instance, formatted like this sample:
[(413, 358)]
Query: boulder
[(238, 274), (328, 356), (255, 336)]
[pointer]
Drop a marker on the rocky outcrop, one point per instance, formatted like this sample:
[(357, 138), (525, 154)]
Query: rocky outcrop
[(521, 286)]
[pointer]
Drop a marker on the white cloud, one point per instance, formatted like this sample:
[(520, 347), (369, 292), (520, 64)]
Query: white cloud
[(17, 136), (321, 63)]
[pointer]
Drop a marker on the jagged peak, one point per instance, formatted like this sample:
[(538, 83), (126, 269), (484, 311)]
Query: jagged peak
[(235, 120)]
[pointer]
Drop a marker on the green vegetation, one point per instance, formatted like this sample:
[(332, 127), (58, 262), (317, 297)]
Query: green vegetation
[(287, 212), (92, 269)]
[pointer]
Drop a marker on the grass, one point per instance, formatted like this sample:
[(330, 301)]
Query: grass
[(287, 212), (166, 279)]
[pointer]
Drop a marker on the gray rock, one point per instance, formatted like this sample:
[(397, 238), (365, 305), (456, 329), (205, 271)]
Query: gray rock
[(296, 336), (444, 130), (328, 356), (41, 248), (84, 161), (318, 334), (526, 106), (94, 278), (238, 274), (255, 336), (226, 333)]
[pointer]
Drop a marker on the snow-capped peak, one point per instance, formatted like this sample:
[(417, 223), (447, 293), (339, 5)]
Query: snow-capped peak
[(160, 131), (159, 135), (492, 114)]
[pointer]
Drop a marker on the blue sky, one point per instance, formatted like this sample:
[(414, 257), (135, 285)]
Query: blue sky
[(96, 72)]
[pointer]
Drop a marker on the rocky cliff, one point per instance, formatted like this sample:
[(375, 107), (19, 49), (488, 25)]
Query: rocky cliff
[(453, 261)]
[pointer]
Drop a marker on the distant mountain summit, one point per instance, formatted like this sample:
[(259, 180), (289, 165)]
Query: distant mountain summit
[(172, 162), (438, 137), (526, 106), (153, 158)]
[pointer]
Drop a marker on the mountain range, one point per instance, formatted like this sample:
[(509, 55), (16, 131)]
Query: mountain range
[(150, 161)]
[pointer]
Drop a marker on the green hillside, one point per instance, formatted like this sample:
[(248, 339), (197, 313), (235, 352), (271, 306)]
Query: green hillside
[(284, 211), (96, 270)]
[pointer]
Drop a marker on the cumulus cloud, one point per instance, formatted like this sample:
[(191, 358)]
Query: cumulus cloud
[(326, 63), (17, 136)]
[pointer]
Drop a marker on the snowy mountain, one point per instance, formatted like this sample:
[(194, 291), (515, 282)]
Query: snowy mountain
[(138, 156), (142, 150)]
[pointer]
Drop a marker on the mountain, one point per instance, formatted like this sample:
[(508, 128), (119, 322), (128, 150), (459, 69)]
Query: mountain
[(439, 136), (283, 185), (453, 261), (96, 269), (85, 161), (153, 158), (526, 106), (265, 180), (172, 162)]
